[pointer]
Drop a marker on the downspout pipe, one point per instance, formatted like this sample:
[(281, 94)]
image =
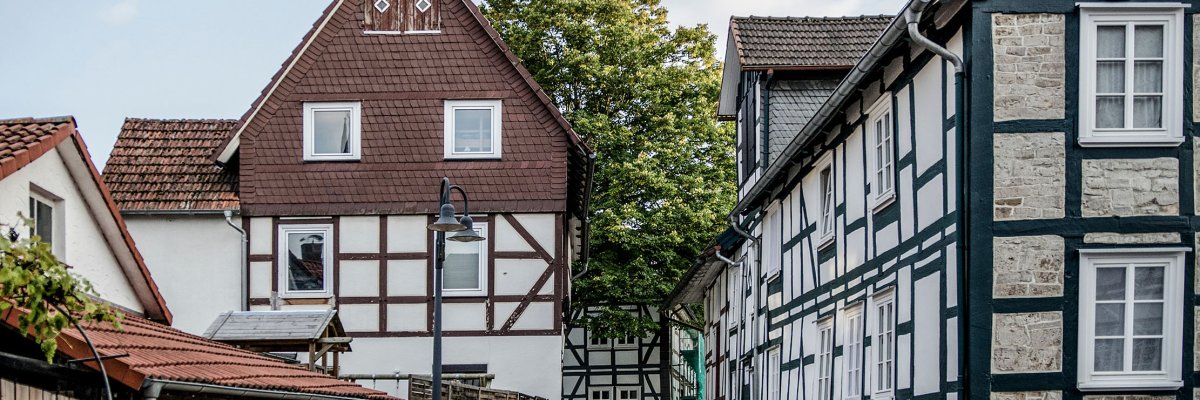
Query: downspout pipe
[(755, 245), (587, 218), (245, 267), (152, 389), (912, 16)]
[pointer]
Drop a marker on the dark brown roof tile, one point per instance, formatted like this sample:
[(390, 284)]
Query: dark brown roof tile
[(804, 41)]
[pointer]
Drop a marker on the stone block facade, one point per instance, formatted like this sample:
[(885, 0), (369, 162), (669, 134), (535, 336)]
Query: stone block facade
[(1029, 180), (1131, 238), (1030, 66), (1046, 395), (1196, 69), (1027, 266), (1127, 397), (1027, 342), (1130, 187)]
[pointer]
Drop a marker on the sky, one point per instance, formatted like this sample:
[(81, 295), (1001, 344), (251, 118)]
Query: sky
[(104, 60)]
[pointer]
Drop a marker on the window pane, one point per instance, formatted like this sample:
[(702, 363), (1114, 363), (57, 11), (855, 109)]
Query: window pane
[(1147, 112), (473, 130), (461, 270), (1110, 77), (1110, 41), (1110, 283), (306, 261), (331, 132), (1148, 283), (1148, 41), (1147, 354), (44, 221), (1110, 112), (1147, 77), (1110, 355), (1147, 319), (1110, 319)]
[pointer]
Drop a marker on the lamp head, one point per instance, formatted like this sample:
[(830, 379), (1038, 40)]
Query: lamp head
[(466, 235), (446, 221)]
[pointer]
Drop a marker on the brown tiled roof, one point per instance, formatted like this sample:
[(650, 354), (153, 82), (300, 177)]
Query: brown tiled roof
[(164, 165), (804, 41), (159, 352), (402, 82), (23, 140)]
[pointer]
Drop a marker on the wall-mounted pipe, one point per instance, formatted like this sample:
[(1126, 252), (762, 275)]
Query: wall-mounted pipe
[(244, 262), (755, 246)]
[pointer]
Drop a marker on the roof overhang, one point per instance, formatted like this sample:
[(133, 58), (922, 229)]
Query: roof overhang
[(731, 75)]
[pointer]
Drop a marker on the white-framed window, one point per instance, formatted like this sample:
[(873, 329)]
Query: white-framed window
[(773, 376), (466, 268), (306, 260), (1131, 75), (773, 240), (827, 200), (884, 344), (473, 129), (332, 131), (825, 359), (627, 342), (600, 393), (882, 154), (1131, 318), (597, 342), (47, 220), (628, 393), (852, 344)]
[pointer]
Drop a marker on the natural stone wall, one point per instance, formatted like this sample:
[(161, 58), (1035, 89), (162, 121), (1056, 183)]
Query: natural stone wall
[(1027, 342), (1128, 187), (1026, 395), (1029, 180), (1027, 266), (1196, 70), (1029, 66), (1131, 238), (1127, 397)]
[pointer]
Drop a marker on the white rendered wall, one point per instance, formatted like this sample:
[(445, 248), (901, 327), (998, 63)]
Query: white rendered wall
[(83, 245), (195, 261)]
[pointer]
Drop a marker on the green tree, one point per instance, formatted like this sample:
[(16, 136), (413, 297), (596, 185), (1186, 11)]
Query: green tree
[(35, 282), (644, 96)]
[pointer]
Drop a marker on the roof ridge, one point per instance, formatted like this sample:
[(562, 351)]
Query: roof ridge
[(31, 120), (178, 120), (811, 18)]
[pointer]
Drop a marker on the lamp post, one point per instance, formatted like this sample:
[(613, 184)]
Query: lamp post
[(465, 229)]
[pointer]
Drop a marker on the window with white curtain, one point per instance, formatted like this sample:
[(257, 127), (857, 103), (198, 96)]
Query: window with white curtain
[(1131, 74), (772, 239), (1131, 319), (852, 343), (884, 343), (465, 271), (825, 359), (883, 147), (773, 375)]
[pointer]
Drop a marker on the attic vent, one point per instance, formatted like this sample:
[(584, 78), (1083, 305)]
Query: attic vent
[(382, 5), (423, 5)]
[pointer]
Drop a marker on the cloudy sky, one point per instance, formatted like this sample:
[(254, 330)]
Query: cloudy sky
[(104, 60)]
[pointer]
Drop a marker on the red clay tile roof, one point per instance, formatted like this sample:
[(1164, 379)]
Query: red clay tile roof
[(160, 352), (805, 41), (159, 165), (402, 82), (23, 140)]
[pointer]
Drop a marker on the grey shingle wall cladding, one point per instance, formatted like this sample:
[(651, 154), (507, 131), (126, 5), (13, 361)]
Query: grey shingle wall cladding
[(793, 103)]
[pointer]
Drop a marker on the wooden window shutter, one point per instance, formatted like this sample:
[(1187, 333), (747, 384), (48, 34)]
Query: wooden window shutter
[(428, 20), (391, 19)]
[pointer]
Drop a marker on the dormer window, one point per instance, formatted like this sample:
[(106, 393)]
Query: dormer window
[(332, 131), (472, 129)]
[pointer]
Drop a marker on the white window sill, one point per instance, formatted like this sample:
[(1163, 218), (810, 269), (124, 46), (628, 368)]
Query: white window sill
[(331, 158), (306, 295), (1146, 384), (825, 242), (884, 200), (472, 157), (1129, 141), (464, 293)]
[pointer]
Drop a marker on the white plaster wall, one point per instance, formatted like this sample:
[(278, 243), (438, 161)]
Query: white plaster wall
[(82, 244), (195, 261), (527, 364)]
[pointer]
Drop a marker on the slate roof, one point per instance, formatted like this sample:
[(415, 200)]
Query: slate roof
[(805, 41), (793, 103), (163, 165), (23, 140), (159, 352)]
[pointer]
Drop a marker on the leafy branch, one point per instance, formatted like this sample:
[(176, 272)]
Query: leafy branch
[(34, 281)]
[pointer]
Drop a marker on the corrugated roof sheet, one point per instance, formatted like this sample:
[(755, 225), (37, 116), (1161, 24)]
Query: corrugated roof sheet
[(805, 41), (793, 104), (164, 165)]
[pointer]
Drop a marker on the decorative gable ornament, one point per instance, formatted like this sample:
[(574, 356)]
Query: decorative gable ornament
[(423, 5), (382, 5)]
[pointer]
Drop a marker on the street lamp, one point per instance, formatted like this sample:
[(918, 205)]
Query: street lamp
[(464, 232)]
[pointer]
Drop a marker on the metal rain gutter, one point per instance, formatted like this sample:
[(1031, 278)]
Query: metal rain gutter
[(846, 88), (152, 388)]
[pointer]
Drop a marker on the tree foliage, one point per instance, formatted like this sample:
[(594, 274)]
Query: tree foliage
[(643, 95), (34, 281)]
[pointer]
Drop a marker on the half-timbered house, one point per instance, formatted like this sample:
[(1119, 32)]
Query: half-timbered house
[(338, 165), (989, 199), (624, 368)]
